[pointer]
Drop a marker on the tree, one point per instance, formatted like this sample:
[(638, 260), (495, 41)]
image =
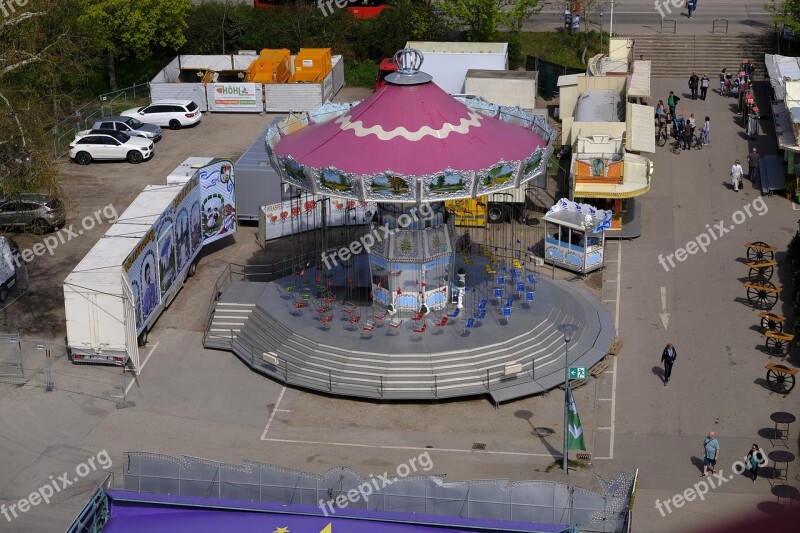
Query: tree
[(40, 54), (785, 16), (123, 28), (481, 18)]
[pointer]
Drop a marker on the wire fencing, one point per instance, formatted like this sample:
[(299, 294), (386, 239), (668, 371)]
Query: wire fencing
[(84, 117), (47, 365)]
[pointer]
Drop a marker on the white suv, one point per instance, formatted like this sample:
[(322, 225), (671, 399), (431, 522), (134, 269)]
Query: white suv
[(172, 113)]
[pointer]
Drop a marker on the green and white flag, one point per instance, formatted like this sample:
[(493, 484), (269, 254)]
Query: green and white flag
[(574, 428)]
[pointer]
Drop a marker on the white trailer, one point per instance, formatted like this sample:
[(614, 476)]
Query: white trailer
[(448, 62), (116, 293)]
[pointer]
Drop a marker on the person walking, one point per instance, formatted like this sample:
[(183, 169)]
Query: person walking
[(754, 459), (692, 4), (736, 175), (668, 357), (752, 165), (722, 75), (672, 101), (693, 82), (706, 130), (710, 453), (703, 86)]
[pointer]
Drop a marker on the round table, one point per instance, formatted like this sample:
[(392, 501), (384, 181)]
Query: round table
[(781, 456), (782, 419), (785, 492)]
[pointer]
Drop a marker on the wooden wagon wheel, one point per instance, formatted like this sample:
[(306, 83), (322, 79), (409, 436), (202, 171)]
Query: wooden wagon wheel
[(764, 273), (754, 254), (778, 347), (770, 324), (760, 297), (780, 382)]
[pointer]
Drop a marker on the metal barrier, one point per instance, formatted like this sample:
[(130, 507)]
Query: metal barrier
[(47, 365), (668, 21), (719, 22)]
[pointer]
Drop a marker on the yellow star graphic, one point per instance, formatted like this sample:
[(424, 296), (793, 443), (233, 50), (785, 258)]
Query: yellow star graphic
[(281, 530)]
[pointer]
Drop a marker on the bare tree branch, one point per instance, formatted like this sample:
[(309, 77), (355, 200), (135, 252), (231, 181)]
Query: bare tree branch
[(15, 117), (18, 19), (32, 57)]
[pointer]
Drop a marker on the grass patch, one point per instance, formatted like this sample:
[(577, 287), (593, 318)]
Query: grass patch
[(560, 47), (360, 73), (571, 464)]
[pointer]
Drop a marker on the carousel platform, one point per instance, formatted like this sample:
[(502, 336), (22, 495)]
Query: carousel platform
[(359, 352)]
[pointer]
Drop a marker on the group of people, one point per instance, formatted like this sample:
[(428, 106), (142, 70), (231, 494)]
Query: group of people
[(753, 458), (737, 172), (682, 129)]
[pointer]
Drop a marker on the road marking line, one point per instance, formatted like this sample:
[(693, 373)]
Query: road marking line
[(272, 416), (614, 380), (604, 428), (601, 457), (413, 448), (146, 359), (604, 399)]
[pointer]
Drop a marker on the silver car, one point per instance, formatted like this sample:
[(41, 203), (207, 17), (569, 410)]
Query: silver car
[(38, 213), (131, 126)]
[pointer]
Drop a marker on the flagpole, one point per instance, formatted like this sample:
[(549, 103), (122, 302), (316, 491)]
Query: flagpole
[(567, 330)]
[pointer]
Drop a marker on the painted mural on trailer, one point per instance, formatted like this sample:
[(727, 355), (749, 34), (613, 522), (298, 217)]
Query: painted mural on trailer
[(218, 205), (203, 211)]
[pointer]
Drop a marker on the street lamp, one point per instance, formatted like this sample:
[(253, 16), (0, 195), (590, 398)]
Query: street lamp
[(568, 330), (602, 12)]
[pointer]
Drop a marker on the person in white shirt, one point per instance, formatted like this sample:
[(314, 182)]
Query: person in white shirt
[(736, 175)]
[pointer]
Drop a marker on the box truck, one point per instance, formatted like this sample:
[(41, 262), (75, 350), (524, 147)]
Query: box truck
[(116, 293)]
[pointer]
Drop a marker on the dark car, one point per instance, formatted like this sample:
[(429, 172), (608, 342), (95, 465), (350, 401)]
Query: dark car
[(131, 126), (38, 213)]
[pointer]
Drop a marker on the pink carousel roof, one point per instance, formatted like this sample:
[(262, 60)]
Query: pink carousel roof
[(412, 130)]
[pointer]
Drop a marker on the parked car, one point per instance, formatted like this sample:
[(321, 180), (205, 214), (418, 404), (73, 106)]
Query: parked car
[(110, 145), (38, 213), (131, 126), (9, 252), (173, 113)]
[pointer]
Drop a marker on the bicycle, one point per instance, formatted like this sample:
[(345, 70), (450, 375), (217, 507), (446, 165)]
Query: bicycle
[(677, 145)]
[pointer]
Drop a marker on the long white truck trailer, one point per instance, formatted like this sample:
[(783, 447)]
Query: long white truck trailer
[(116, 293)]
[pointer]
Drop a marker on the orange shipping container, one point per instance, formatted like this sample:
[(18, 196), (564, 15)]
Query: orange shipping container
[(311, 65), (272, 66)]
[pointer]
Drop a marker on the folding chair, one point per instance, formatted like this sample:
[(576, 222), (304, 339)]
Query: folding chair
[(520, 288), (498, 294), (482, 305), (507, 313), (481, 315), (469, 325), (529, 297), (532, 280), (454, 314)]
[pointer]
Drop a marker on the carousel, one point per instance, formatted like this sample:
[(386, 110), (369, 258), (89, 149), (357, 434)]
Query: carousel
[(406, 150)]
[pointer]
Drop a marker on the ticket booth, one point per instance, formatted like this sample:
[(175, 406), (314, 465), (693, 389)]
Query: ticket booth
[(575, 236)]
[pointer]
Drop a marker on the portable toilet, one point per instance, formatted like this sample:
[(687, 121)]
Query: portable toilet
[(311, 65), (271, 66)]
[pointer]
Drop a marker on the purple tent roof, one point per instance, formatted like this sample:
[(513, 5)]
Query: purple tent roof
[(133, 512)]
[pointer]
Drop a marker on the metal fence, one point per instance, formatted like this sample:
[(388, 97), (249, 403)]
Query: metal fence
[(84, 117), (548, 74), (524, 501), (47, 365)]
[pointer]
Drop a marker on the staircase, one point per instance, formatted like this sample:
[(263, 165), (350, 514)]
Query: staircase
[(677, 56), (338, 362)]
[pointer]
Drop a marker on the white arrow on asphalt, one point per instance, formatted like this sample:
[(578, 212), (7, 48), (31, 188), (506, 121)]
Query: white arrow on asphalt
[(664, 315)]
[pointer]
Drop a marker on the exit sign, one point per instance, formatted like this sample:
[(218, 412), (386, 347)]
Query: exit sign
[(577, 372)]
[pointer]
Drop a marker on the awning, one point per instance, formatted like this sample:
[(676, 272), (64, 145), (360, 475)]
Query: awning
[(635, 181), (640, 128), (639, 80)]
